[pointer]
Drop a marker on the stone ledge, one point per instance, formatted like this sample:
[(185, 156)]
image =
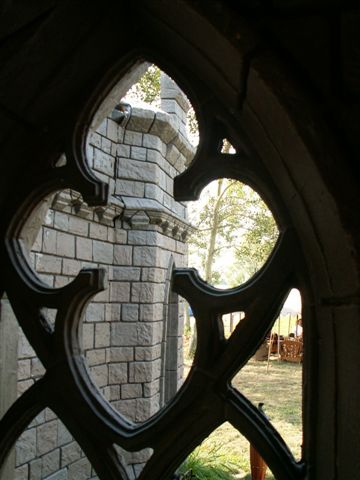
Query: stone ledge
[(141, 212)]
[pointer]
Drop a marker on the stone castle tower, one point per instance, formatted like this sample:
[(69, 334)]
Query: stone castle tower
[(132, 331)]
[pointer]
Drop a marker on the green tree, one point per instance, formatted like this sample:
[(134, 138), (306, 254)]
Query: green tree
[(234, 225), (147, 89)]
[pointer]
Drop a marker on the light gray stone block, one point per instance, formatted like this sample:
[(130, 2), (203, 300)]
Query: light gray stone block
[(123, 151), (130, 312), (146, 292), (21, 473), (99, 374), (49, 240), (151, 312), (124, 334), (119, 292), (95, 312), (118, 373), (50, 463), (102, 335), (170, 90), (98, 232), (71, 267), (120, 354), (61, 221), (78, 226), (60, 475), (79, 470), (145, 256), (106, 145), (123, 255), (133, 138), (103, 252), (131, 390), (26, 447), (88, 336), (24, 369), (35, 469), (83, 248), (47, 437), (126, 273), (70, 453), (141, 119), (112, 130), (64, 436), (103, 162), (138, 153), (126, 408), (96, 357), (152, 142), (151, 388), (137, 170), (48, 263), (148, 353), (165, 126), (65, 245), (130, 188)]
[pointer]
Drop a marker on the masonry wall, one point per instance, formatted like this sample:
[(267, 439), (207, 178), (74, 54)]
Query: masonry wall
[(132, 331)]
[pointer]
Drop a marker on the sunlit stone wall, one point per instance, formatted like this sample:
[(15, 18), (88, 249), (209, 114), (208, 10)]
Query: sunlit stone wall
[(137, 238)]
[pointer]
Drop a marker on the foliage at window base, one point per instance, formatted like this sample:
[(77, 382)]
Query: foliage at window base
[(208, 464)]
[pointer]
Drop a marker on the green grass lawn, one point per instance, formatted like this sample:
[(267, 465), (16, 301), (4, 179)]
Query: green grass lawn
[(225, 450)]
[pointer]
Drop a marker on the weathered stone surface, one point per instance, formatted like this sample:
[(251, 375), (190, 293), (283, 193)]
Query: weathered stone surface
[(95, 312), (118, 373), (48, 263), (83, 248), (26, 447), (141, 119), (96, 357), (60, 475), (112, 130), (98, 231), (123, 255), (126, 273), (79, 470), (130, 312), (50, 463), (99, 373), (70, 453), (119, 292), (70, 267), (133, 138), (138, 153), (64, 436), (130, 188), (103, 252), (102, 335), (137, 170), (144, 371), (103, 162), (120, 354), (146, 292), (145, 256), (78, 226), (47, 437), (49, 241), (131, 390), (151, 312), (21, 473), (148, 353)]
